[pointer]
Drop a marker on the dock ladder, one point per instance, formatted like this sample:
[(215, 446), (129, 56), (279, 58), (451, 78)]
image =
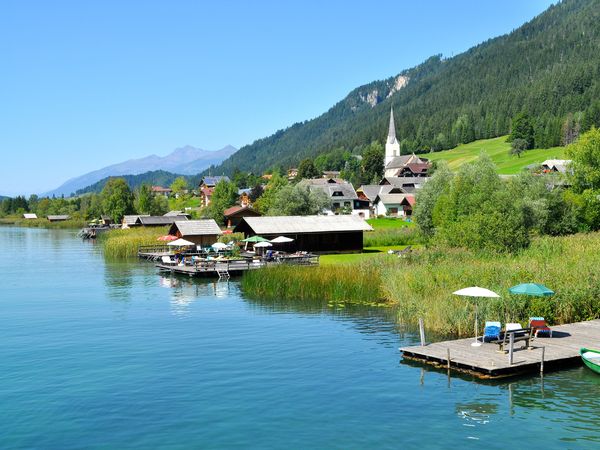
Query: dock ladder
[(223, 272)]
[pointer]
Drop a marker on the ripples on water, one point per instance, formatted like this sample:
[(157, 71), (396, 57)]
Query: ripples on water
[(102, 354)]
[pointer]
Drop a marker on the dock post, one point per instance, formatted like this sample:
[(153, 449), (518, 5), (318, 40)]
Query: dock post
[(422, 332), (510, 350), (542, 363), (448, 357)]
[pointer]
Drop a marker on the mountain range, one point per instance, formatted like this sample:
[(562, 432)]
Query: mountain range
[(186, 160), (549, 67)]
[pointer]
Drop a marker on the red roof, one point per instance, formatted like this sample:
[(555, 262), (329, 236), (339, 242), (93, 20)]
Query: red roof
[(237, 209), (410, 199), (160, 189), (418, 167)]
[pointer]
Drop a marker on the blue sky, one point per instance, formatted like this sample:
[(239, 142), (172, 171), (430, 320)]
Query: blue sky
[(87, 84)]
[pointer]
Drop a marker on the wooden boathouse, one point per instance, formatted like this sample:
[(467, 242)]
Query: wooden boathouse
[(317, 234), (201, 232)]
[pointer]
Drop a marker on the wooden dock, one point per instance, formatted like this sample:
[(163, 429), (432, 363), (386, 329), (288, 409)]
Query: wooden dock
[(225, 268), (559, 351)]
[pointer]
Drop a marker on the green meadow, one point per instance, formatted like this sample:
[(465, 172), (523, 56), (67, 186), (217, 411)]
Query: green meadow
[(498, 150)]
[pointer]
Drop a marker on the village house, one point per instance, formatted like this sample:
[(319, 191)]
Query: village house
[(244, 197), (201, 232), (177, 213), (556, 165), (318, 234), (58, 218), (292, 173), (341, 194), (145, 220), (394, 204), (207, 186), (159, 190), (234, 215)]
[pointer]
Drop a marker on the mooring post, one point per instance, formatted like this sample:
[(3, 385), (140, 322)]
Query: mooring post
[(422, 332), (448, 357), (542, 363), (510, 349)]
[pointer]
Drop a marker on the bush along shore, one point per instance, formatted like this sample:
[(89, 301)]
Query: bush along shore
[(421, 284), (44, 223)]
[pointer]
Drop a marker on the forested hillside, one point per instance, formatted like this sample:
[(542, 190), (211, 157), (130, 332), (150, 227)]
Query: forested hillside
[(548, 68), (152, 178)]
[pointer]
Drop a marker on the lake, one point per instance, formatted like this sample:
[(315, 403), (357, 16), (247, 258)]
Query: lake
[(98, 354)]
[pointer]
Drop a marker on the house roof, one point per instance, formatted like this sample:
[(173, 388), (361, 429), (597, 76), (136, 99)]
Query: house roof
[(305, 224), (212, 181), (418, 167), (175, 213), (559, 165), (371, 191), (132, 219), (403, 182), (244, 191), (160, 189), (59, 217), (30, 216), (202, 227), (160, 220), (335, 188), (234, 210), (400, 161), (390, 199)]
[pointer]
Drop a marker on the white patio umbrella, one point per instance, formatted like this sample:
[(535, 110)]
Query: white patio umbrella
[(281, 240), (476, 291), (263, 244), (219, 246), (180, 243)]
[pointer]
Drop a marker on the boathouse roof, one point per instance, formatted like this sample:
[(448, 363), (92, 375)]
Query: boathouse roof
[(303, 224), (151, 221), (195, 227)]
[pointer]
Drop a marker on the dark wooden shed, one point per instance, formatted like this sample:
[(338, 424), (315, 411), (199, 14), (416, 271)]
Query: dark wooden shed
[(317, 234)]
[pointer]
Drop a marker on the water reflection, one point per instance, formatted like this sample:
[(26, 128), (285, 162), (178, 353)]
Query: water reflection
[(118, 279), (186, 291)]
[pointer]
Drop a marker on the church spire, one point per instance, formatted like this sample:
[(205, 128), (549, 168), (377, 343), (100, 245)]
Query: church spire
[(392, 130), (392, 146)]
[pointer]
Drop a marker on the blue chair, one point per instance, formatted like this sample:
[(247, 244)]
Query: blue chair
[(491, 331)]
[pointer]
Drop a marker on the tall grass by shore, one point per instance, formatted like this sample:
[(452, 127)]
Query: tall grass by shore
[(385, 237), (335, 284), (421, 284), (45, 223), (125, 243)]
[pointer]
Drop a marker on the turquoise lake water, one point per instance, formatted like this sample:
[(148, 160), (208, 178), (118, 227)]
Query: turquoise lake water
[(107, 355)]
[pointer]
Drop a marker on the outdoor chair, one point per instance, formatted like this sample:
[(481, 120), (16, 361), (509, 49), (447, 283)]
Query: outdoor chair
[(168, 261), (540, 327), (491, 331)]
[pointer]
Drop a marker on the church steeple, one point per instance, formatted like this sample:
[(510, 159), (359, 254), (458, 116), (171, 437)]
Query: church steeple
[(392, 146), (392, 130)]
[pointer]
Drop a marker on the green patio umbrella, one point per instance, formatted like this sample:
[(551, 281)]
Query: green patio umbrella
[(255, 239), (534, 289)]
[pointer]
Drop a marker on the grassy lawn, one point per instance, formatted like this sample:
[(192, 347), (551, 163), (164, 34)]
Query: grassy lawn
[(389, 222), (497, 149), (368, 253)]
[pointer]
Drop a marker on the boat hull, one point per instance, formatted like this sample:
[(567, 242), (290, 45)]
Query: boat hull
[(591, 363)]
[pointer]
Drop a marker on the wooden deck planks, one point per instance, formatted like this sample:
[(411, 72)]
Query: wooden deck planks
[(486, 361)]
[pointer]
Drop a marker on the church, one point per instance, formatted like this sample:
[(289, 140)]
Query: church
[(397, 165)]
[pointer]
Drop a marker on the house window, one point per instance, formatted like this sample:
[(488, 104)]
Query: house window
[(393, 211)]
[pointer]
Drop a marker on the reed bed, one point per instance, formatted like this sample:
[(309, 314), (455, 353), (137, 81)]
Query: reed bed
[(125, 243), (422, 286), (386, 237), (337, 285), (45, 223)]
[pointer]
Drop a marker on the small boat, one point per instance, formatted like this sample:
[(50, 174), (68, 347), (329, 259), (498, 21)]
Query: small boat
[(591, 358)]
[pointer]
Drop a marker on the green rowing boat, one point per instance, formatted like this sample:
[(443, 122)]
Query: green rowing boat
[(591, 358)]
